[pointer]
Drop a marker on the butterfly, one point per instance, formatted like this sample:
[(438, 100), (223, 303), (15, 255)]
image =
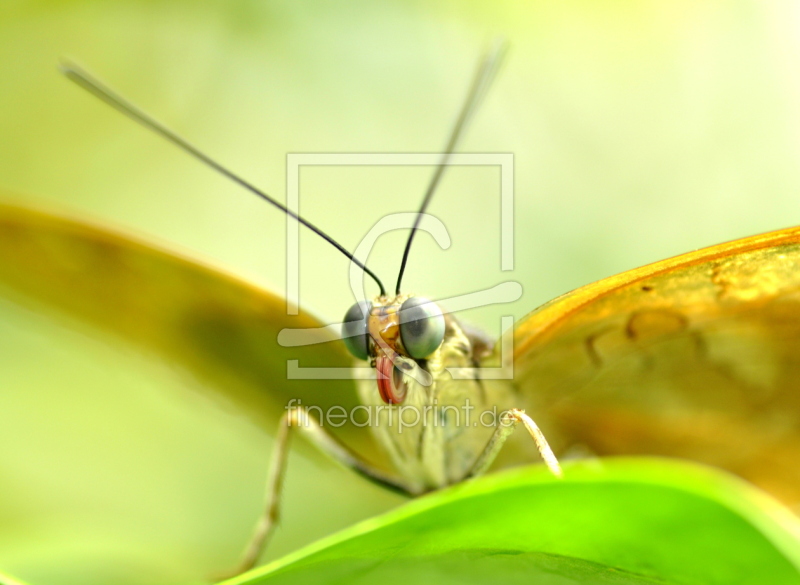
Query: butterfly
[(693, 357)]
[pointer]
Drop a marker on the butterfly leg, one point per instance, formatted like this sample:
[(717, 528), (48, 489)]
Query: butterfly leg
[(298, 418), (508, 422)]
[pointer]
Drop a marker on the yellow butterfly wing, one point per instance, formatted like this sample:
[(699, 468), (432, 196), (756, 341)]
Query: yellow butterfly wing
[(216, 325), (695, 357)]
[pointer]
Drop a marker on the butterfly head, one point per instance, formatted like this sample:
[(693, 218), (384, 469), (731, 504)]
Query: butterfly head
[(396, 335)]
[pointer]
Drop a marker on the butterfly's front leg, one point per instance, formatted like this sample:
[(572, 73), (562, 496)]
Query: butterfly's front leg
[(299, 418), (508, 422)]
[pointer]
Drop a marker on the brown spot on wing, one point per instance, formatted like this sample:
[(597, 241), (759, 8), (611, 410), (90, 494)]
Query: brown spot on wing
[(591, 348), (649, 325)]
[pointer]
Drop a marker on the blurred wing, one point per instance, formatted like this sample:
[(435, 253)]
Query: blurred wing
[(217, 326), (695, 357)]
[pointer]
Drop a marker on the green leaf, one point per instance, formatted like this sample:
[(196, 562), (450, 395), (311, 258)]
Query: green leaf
[(622, 521)]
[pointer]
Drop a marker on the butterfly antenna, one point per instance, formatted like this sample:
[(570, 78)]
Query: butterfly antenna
[(487, 71), (95, 87)]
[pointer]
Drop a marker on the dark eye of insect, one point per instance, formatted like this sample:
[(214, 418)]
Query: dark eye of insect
[(421, 327), (354, 329)]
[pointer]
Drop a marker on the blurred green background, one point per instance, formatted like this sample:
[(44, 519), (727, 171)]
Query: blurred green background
[(640, 130)]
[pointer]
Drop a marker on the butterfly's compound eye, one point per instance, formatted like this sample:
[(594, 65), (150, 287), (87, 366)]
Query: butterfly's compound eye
[(421, 327), (354, 329)]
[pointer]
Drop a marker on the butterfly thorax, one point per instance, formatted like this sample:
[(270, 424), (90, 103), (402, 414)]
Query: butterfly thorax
[(433, 434)]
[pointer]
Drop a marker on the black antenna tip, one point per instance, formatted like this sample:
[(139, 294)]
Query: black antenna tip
[(66, 67)]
